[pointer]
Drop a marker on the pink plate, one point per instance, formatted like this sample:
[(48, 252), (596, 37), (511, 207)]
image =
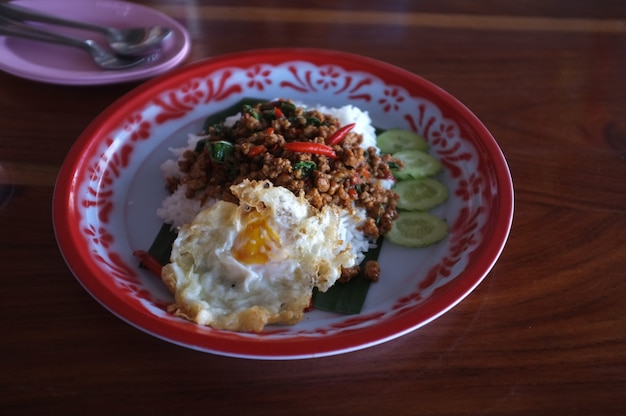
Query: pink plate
[(57, 64), (110, 186)]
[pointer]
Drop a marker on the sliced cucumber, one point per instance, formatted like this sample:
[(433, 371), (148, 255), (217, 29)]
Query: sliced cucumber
[(417, 229), (420, 194), (394, 140), (417, 164)]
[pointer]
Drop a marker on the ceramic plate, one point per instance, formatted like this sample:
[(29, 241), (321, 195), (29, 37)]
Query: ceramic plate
[(57, 64), (110, 186)]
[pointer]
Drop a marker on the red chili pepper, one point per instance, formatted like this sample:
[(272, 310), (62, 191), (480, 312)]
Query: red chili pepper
[(310, 147), (338, 136), (256, 150), (278, 113), (310, 307), (148, 260), (360, 177), (269, 130)]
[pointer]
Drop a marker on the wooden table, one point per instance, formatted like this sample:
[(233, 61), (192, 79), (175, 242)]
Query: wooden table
[(545, 333)]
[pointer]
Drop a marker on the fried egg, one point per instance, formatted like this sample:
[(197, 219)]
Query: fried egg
[(242, 266)]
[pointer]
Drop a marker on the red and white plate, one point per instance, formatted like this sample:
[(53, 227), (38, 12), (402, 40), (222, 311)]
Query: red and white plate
[(110, 186)]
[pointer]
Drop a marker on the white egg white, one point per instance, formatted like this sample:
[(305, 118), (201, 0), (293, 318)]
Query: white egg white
[(241, 267)]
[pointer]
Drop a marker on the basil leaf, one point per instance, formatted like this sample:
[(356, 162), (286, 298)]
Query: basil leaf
[(313, 121), (220, 116), (305, 166), (220, 150)]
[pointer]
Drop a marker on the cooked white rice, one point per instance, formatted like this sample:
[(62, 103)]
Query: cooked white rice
[(178, 210), (348, 232)]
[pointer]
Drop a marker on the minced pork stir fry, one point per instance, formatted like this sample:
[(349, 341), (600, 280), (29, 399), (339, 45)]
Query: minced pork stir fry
[(305, 151)]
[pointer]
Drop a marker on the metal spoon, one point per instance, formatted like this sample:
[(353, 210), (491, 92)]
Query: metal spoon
[(100, 56), (131, 42)]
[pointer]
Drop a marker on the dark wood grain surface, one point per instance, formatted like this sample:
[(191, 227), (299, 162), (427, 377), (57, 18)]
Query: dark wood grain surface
[(544, 334)]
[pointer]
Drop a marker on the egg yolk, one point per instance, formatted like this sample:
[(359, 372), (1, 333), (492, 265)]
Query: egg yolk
[(257, 242)]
